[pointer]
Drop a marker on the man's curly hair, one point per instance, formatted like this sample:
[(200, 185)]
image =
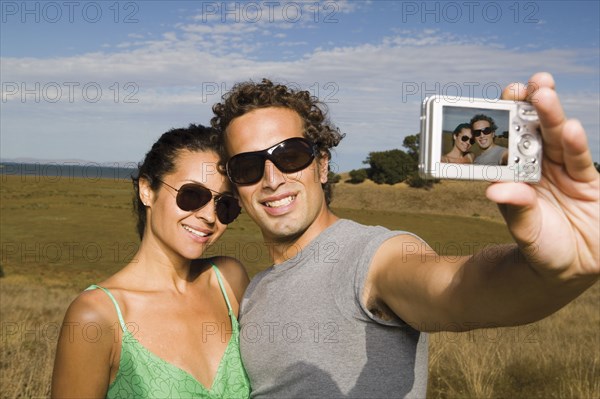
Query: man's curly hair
[(481, 117), (248, 96)]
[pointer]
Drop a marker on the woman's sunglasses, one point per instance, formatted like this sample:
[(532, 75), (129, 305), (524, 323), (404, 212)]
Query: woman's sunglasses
[(471, 140), (289, 156), (486, 131), (194, 196)]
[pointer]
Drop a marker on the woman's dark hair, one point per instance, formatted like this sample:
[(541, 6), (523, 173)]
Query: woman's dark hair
[(248, 96), (161, 158), (460, 127)]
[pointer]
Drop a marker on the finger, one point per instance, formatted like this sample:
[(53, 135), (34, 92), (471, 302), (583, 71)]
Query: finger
[(577, 156), (515, 92), (539, 80), (521, 92), (552, 119)]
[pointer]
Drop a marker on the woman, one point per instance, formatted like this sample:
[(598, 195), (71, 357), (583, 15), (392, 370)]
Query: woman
[(462, 140), (165, 325)]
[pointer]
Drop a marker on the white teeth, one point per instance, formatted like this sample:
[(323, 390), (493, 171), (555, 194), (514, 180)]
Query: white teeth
[(282, 202), (194, 232)]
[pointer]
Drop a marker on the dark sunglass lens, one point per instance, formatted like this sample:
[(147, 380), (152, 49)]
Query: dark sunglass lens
[(469, 139), (246, 168), (294, 156), (487, 130), (228, 209), (193, 197)]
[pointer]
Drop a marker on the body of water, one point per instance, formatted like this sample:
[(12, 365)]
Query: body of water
[(72, 170)]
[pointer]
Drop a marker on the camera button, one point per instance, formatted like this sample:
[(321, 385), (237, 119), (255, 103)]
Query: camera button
[(528, 144), (529, 169)]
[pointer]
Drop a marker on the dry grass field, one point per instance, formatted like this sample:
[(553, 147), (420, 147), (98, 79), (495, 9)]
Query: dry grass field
[(58, 235)]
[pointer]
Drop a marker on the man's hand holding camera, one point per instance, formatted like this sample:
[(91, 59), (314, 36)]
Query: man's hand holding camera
[(556, 222)]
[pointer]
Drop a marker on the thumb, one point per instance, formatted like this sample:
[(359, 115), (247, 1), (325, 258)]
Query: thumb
[(518, 204), (510, 193)]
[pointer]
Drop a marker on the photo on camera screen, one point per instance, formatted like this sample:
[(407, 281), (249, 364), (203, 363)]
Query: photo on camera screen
[(474, 136)]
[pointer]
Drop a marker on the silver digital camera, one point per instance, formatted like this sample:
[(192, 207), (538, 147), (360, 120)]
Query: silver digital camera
[(479, 139)]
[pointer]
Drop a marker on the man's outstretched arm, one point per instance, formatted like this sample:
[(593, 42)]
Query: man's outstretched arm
[(555, 225)]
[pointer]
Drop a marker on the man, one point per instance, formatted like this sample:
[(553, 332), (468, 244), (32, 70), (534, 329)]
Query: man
[(484, 130), (339, 314)]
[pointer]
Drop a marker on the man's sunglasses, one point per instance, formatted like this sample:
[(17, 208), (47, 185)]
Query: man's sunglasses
[(194, 196), (471, 140), (486, 131), (289, 156)]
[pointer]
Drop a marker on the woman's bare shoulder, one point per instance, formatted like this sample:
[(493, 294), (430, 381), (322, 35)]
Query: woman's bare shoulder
[(92, 306), (234, 272)]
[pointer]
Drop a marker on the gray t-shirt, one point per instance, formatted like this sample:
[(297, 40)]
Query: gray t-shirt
[(306, 333), (491, 156)]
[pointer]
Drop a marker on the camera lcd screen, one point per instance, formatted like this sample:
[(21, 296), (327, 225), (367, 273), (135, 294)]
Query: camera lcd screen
[(474, 136)]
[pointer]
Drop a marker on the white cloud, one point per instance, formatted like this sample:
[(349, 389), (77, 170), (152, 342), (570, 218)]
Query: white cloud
[(170, 36), (373, 90), (292, 44)]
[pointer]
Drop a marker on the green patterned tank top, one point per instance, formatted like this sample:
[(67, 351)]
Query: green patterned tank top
[(142, 374)]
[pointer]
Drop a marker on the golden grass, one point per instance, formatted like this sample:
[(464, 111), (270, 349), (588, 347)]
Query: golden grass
[(59, 235), (557, 357), (458, 198), (31, 317)]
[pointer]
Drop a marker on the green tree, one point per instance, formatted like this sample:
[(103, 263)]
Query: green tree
[(389, 167), (411, 143), (395, 166), (333, 177), (414, 180), (358, 176)]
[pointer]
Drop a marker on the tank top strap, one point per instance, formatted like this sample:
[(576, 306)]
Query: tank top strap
[(218, 273), (114, 301)]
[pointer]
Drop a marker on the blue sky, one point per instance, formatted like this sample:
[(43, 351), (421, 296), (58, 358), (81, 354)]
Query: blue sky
[(100, 81)]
